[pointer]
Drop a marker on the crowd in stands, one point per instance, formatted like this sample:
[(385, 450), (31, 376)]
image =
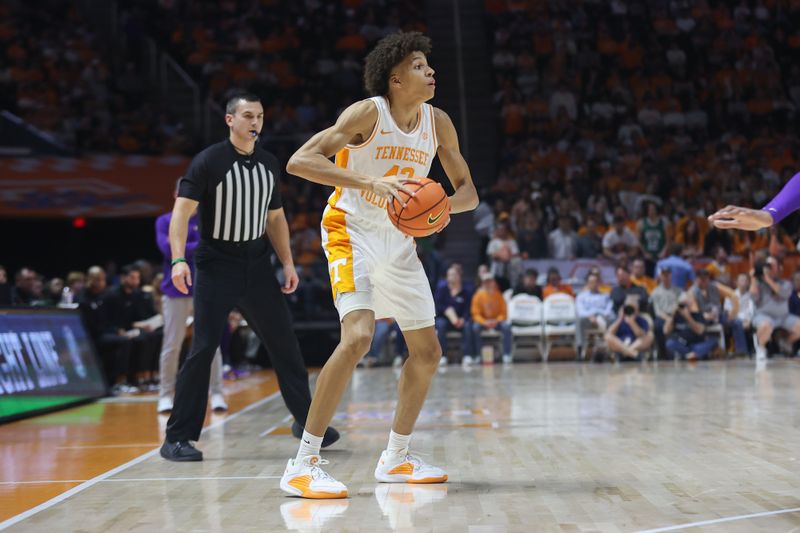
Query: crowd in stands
[(265, 47), (58, 76), (121, 309), (621, 126), (685, 312), (55, 76), (679, 314), (624, 124)]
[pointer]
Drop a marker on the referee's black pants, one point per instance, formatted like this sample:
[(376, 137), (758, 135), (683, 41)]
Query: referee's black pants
[(237, 275)]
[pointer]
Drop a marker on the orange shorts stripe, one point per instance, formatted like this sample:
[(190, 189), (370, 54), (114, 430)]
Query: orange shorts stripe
[(339, 251)]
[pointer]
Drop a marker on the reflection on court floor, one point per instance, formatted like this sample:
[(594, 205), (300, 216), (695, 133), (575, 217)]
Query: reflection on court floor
[(531, 447)]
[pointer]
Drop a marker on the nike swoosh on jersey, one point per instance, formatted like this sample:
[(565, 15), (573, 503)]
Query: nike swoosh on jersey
[(434, 219), (385, 132)]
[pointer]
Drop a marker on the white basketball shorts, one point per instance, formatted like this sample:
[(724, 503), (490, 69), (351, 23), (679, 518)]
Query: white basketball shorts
[(376, 267)]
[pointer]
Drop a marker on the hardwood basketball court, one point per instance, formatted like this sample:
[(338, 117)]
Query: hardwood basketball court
[(531, 447)]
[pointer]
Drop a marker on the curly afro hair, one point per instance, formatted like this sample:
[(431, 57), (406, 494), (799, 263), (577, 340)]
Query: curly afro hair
[(387, 54)]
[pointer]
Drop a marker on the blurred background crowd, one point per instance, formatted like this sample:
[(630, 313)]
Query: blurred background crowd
[(616, 127)]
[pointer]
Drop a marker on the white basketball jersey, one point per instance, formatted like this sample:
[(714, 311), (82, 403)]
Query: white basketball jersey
[(389, 151)]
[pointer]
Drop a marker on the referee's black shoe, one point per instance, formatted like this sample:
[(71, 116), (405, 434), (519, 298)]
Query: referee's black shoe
[(331, 435), (180, 451)]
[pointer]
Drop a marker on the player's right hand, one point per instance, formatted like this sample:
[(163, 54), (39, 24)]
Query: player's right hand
[(182, 277), (388, 187), (735, 217), (446, 221)]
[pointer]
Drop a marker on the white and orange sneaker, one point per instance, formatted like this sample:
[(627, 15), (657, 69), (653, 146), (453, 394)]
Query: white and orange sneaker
[(407, 469), (306, 479)]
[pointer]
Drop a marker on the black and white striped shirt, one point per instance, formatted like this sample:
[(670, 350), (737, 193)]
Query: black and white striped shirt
[(235, 191)]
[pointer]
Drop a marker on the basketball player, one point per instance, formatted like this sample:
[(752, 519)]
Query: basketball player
[(784, 203), (381, 144)]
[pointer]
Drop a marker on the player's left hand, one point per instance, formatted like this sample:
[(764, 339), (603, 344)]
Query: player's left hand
[(735, 217), (291, 279)]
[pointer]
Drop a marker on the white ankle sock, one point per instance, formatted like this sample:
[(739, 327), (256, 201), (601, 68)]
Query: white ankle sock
[(398, 444), (309, 445), (761, 351)]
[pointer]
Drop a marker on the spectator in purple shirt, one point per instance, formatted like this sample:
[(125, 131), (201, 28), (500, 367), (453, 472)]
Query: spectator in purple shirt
[(177, 308)]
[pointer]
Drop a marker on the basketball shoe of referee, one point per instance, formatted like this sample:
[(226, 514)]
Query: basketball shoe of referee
[(234, 186)]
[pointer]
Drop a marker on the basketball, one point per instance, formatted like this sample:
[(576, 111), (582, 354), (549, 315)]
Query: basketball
[(425, 213)]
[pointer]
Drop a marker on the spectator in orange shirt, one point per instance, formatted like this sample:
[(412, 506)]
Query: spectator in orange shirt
[(489, 313), (779, 242), (554, 284), (640, 278), (746, 243), (719, 268), (352, 41)]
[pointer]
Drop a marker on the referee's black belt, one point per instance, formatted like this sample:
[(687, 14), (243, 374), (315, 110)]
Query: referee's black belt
[(252, 247)]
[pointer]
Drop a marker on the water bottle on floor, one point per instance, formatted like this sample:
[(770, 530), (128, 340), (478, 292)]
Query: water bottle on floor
[(487, 354)]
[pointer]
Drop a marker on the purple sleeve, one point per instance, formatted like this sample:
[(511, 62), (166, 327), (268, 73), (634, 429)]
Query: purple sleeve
[(162, 236), (192, 237), (786, 201)]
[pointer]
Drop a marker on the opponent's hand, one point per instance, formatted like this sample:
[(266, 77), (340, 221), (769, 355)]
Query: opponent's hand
[(182, 277), (735, 217), (387, 187), (291, 279)]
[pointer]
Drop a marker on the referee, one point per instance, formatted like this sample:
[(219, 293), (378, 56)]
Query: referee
[(234, 187)]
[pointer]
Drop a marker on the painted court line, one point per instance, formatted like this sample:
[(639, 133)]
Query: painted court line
[(276, 426), (142, 445), (721, 520), (209, 478), (75, 490), (128, 479), (104, 476)]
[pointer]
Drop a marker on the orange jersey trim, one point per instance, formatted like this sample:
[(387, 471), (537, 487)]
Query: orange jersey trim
[(419, 122), (342, 157), (433, 131), (372, 135)]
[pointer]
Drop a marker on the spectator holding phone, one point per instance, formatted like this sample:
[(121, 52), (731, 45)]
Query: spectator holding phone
[(685, 330), (771, 299), (630, 335)]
